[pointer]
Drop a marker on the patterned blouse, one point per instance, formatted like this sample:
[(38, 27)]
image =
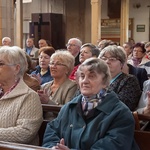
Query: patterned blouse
[(128, 90)]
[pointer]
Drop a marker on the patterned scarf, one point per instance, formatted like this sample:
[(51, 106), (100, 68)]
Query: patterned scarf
[(89, 103)]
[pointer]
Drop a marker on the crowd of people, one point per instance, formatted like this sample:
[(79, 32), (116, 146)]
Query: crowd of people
[(98, 86)]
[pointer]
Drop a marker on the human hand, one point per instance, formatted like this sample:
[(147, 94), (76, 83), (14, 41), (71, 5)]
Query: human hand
[(44, 97), (60, 146), (146, 110)]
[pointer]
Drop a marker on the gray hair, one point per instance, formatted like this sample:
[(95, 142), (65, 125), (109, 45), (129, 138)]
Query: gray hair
[(77, 41), (15, 55), (94, 50), (66, 58), (96, 65), (115, 51)]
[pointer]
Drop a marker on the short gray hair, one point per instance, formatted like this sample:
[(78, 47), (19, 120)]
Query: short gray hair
[(97, 65), (115, 51), (15, 55)]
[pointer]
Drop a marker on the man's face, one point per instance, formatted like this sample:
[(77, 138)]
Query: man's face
[(73, 48)]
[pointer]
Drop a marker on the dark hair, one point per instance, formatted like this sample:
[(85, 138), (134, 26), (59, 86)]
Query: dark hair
[(140, 45), (49, 50)]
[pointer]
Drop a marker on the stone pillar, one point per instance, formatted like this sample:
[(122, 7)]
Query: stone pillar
[(6, 19), (95, 21), (124, 26), (19, 23)]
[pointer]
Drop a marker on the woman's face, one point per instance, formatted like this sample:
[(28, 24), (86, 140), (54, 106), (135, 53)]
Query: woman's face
[(113, 63), (138, 53), (90, 82), (85, 53), (44, 60), (8, 72), (58, 68)]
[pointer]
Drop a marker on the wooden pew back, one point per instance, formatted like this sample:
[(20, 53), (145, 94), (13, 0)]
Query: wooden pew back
[(47, 108), (141, 135), (16, 146)]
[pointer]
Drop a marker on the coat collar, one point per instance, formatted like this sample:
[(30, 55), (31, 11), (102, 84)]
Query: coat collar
[(105, 106)]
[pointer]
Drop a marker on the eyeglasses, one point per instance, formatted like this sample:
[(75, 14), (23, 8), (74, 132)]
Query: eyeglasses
[(2, 64), (137, 51), (71, 45), (111, 59), (56, 64)]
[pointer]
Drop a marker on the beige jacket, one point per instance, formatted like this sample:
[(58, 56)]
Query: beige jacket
[(20, 115)]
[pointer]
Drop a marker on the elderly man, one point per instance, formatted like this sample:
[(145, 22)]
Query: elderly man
[(6, 41), (30, 49), (73, 46)]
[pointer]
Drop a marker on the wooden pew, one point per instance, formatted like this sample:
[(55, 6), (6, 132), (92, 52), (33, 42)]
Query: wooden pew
[(142, 136), (47, 108), (16, 146)]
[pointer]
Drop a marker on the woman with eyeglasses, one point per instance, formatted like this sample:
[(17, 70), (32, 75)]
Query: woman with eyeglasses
[(61, 89), (126, 86), (42, 72), (20, 107)]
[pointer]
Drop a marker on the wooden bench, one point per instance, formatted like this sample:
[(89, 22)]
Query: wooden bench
[(47, 108), (16, 146), (142, 136)]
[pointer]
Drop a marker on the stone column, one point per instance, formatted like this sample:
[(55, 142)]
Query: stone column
[(19, 23), (95, 21), (6, 20), (124, 26)]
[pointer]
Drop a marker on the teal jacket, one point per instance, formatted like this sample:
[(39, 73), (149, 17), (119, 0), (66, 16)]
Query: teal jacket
[(111, 129)]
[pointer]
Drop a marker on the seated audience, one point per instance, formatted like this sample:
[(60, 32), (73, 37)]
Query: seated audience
[(61, 89), (6, 41), (96, 119), (126, 86), (32, 82), (30, 49), (87, 50), (42, 72), (20, 107)]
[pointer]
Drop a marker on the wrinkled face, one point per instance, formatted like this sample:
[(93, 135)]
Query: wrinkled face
[(113, 63), (44, 60), (6, 42), (138, 53), (58, 68), (29, 42), (90, 82), (73, 48), (148, 52), (8, 71), (85, 53)]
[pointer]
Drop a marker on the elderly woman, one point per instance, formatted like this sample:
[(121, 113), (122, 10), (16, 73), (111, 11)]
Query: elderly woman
[(20, 107), (61, 89), (126, 86), (94, 118), (87, 50), (42, 72)]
